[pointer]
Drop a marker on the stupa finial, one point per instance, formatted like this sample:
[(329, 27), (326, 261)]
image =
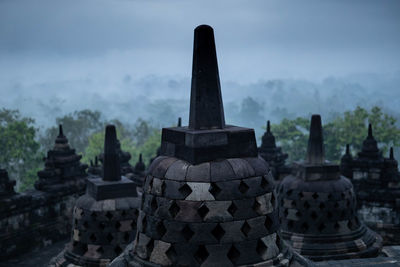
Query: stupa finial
[(60, 130), (347, 149), (370, 131), (391, 155), (206, 107), (315, 150), (179, 122), (111, 165), (268, 127)]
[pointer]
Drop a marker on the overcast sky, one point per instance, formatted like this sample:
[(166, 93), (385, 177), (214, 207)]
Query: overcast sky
[(46, 40)]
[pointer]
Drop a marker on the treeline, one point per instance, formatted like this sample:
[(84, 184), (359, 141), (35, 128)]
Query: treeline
[(23, 146), (348, 128)]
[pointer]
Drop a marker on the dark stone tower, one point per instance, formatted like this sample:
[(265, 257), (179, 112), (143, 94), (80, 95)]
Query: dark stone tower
[(376, 181), (208, 199), (273, 155), (62, 168), (317, 208), (104, 219)]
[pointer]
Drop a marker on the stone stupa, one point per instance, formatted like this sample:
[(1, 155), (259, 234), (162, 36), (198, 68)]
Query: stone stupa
[(63, 170), (273, 155), (317, 208), (208, 198), (104, 219)]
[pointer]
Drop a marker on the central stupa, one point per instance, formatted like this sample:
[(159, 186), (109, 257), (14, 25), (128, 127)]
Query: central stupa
[(208, 198)]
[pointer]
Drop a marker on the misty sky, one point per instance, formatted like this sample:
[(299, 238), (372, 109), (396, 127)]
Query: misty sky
[(52, 39), (58, 56)]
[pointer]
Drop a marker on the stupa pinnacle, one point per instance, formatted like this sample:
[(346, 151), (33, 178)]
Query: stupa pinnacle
[(315, 149), (111, 166), (206, 108)]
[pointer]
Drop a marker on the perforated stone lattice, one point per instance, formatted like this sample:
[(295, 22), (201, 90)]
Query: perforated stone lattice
[(321, 216), (203, 216), (102, 229)]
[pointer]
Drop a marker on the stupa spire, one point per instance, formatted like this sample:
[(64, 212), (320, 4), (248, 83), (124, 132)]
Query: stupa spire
[(179, 122), (268, 127), (347, 149), (111, 166), (206, 107), (315, 150), (391, 155), (60, 130), (370, 131)]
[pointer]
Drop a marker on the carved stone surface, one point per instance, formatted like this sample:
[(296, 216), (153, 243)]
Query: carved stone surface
[(317, 209)]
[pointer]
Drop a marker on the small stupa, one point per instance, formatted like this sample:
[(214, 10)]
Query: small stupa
[(104, 219), (62, 168), (317, 208), (273, 155)]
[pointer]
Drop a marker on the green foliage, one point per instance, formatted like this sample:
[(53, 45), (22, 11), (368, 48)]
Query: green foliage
[(350, 128), (149, 148), (20, 154), (292, 136), (77, 126), (142, 139)]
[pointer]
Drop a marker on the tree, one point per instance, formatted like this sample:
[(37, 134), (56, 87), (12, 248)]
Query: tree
[(292, 136), (149, 137), (20, 154), (77, 126), (250, 112), (349, 128)]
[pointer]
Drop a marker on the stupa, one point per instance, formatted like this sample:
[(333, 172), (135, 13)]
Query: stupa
[(273, 155), (376, 181), (104, 219), (317, 208), (62, 168), (139, 173), (208, 198)]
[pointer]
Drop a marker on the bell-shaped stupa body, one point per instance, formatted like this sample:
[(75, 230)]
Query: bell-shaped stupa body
[(317, 208), (104, 219), (208, 199)]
